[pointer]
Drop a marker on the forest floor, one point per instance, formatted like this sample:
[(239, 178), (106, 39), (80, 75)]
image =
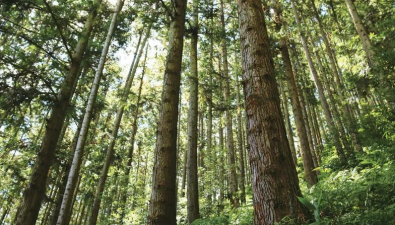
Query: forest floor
[(362, 193)]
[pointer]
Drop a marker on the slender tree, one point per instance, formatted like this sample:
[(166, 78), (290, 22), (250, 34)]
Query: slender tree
[(192, 187), (305, 147), (361, 30), (114, 135), (228, 116), (240, 141), (318, 84), (287, 122), (66, 207), (349, 120), (35, 191)]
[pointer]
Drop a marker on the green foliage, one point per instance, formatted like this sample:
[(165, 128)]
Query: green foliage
[(220, 220), (240, 216), (359, 195)]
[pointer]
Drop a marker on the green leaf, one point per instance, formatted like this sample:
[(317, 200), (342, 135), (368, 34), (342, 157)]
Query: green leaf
[(306, 203)]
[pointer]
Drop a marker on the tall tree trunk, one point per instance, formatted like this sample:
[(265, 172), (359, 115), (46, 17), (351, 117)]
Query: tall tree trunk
[(132, 141), (367, 45), (228, 115), (184, 173), (134, 190), (274, 178), (192, 189), (309, 127), (349, 120), (331, 94), (35, 191), (163, 202), (321, 94), (305, 147), (82, 214), (287, 122), (114, 135), (62, 185), (65, 210), (210, 152), (133, 67), (221, 163), (240, 142)]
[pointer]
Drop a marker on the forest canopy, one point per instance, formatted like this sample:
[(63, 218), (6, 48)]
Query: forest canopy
[(166, 112)]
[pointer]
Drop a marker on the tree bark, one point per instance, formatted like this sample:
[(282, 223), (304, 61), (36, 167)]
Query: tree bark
[(274, 178), (163, 202), (228, 116), (192, 188), (35, 191)]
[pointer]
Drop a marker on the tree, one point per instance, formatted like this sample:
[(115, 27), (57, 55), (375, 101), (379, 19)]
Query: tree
[(35, 191), (65, 210), (274, 178), (366, 43), (192, 187), (110, 149), (318, 84), (228, 117), (305, 148), (163, 202)]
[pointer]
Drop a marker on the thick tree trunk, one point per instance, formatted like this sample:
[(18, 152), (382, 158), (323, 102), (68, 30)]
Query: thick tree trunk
[(65, 210), (320, 89), (192, 189), (228, 115), (35, 191), (274, 178), (163, 202)]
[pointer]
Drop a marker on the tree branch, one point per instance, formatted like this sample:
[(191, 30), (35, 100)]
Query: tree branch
[(59, 29), (169, 12)]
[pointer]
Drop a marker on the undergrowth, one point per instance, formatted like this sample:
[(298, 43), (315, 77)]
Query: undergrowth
[(362, 194)]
